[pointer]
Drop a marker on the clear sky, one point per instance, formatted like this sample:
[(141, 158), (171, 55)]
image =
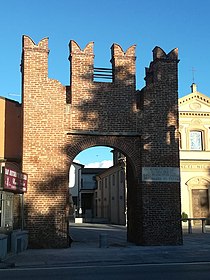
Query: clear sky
[(169, 24), (96, 157)]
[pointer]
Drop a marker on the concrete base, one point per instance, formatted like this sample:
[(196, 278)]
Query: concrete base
[(19, 241)]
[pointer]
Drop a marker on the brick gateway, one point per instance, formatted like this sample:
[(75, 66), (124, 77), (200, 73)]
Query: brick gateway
[(61, 121)]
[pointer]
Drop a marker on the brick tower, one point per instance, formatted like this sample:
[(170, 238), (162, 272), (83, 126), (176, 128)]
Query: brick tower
[(61, 121), (160, 189), (43, 141)]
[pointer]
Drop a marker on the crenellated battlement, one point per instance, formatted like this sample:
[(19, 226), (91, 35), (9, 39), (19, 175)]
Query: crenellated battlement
[(159, 53), (28, 43), (161, 66), (122, 64), (75, 48), (35, 58), (86, 88), (117, 51)]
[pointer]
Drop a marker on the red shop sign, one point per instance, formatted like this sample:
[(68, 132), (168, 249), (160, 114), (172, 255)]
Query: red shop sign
[(15, 181)]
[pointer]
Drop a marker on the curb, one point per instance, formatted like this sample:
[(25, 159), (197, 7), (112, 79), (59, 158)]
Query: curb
[(4, 265)]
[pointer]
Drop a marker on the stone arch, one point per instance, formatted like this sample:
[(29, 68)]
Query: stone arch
[(196, 183), (130, 147), (127, 145)]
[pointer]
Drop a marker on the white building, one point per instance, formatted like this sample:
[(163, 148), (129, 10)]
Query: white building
[(75, 185)]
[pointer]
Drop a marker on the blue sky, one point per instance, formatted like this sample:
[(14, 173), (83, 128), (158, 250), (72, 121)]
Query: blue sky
[(182, 23), (96, 157)]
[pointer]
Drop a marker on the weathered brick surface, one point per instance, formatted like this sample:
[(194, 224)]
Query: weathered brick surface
[(43, 140), (161, 201), (59, 122), (104, 107)]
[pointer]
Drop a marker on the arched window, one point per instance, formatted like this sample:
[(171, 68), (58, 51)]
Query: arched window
[(196, 140)]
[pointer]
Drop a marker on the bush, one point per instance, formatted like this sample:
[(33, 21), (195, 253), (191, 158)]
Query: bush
[(184, 216)]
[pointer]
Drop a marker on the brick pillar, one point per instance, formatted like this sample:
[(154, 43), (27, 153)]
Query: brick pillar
[(81, 76), (160, 188), (124, 66), (43, 145)]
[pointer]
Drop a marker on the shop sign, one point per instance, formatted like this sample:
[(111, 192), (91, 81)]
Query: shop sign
[(15, 181)]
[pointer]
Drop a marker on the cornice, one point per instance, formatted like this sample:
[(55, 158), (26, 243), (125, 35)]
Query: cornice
[(194, 96)]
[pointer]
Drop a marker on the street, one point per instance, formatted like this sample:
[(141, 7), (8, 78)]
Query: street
[(87, 234), (173, 271)]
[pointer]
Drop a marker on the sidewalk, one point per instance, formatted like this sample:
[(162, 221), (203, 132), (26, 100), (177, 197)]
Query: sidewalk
[(86, 250)]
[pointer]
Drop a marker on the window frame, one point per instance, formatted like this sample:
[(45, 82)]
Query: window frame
[(201, 133), (7, 206)]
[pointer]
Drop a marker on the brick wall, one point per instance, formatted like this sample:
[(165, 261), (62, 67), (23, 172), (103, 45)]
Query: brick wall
[(59, 122), (99, 106)]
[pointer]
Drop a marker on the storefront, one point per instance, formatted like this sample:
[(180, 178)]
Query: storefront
[(13, 185)]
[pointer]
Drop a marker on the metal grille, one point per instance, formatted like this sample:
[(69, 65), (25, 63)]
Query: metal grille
[(102, 74)]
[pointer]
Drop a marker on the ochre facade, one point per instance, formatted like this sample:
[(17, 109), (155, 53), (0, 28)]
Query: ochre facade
[(10, 130), (194, 115), (10, 157), (61, 121)]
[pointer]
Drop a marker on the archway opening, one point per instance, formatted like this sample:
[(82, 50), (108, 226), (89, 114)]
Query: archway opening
[(99, 180)]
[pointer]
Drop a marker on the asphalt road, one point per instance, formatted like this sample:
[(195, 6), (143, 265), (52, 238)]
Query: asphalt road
[(192, 271), (85, 234)]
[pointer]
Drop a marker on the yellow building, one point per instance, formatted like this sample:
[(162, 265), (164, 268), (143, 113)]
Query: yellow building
[(194, 128), (110, 196), (111, 193)]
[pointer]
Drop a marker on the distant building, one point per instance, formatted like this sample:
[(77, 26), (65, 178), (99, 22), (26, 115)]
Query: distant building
[(82, 186), (89, 185), (75, 185), (110, 198), (13, 183)]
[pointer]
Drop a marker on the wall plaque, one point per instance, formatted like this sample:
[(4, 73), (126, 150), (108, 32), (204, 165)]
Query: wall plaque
[(160, 174)]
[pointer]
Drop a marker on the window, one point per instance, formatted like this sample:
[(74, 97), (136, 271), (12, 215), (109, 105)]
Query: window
[(105, 183), (113, 179), (6, 209), (196, 140)]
